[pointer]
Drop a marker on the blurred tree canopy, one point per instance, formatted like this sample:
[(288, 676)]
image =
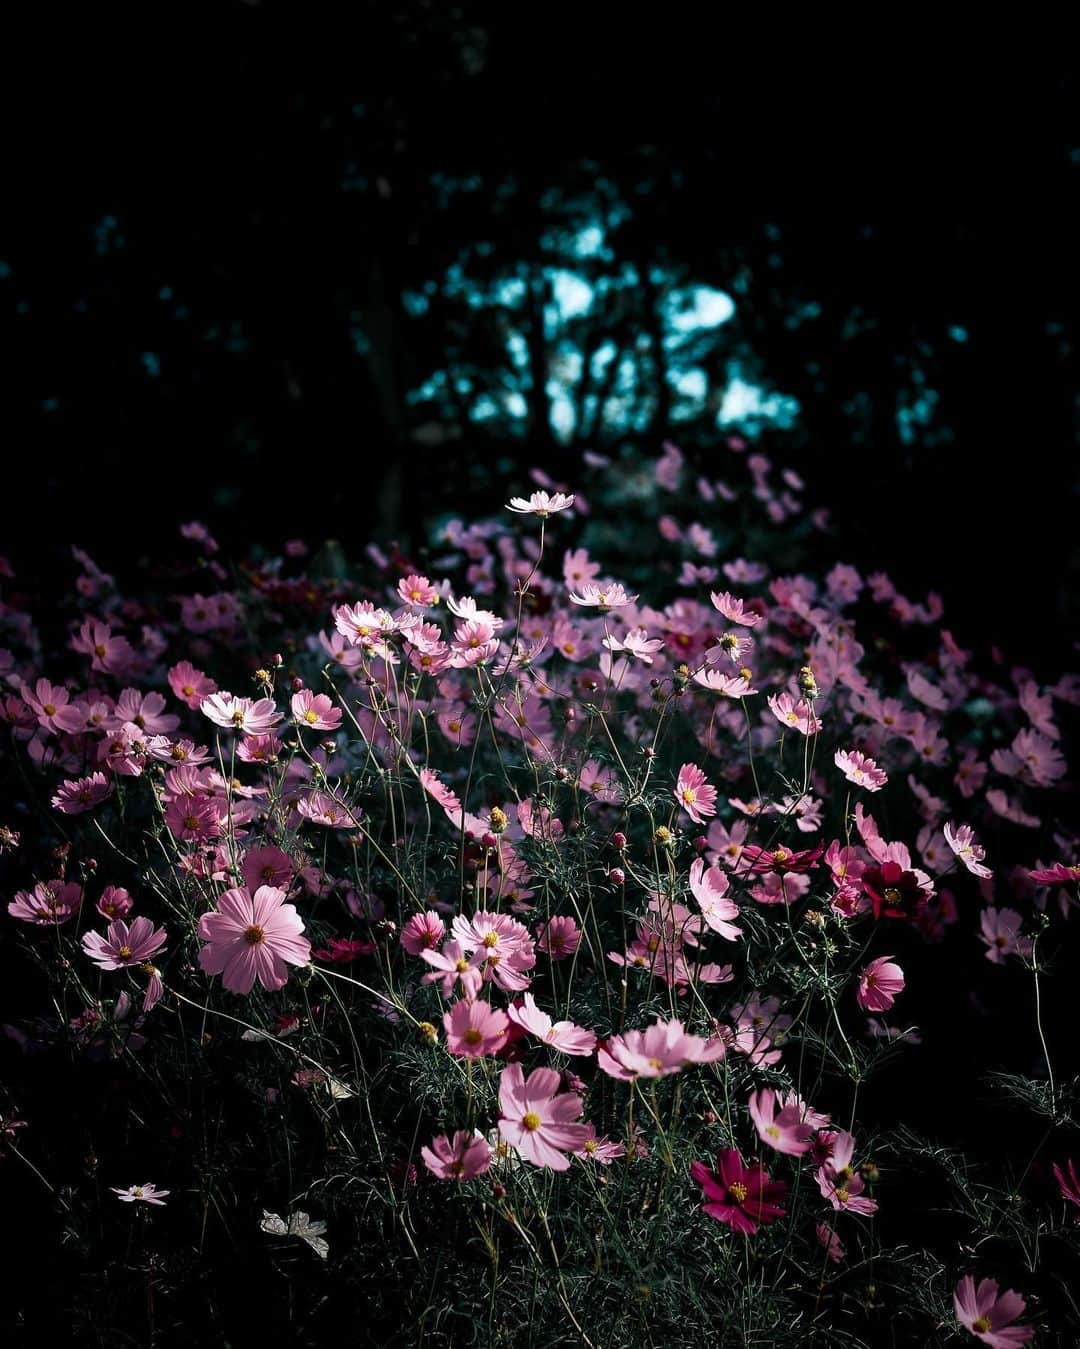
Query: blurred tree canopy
[(255, 291)]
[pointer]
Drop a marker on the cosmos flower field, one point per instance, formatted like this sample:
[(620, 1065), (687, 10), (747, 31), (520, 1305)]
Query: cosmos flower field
[(623, 922)]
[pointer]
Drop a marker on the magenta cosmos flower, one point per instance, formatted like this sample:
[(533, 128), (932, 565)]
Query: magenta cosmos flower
[(879, 985), (694, 794), (537, 1119), (859, 769), (1068, 1181), (740, 1196), (124, 945), (48, 903), (459, 1158), (253, 936), (988, 1314), (664, 1048)]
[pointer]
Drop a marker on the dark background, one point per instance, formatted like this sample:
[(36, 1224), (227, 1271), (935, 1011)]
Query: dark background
[(209, 243)]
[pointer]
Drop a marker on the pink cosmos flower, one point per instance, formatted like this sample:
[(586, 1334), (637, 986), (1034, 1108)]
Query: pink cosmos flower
[(418, 591), (1068, 1182), (559, 937), (49, 902), (710, 888), (124, 945), (145, 1194), (451, 964), (440, 792), (241, 714), (1001, 933), (315, 710), (734, 610), (638, 643), (82, 794), (837, 1179), (504, 943), (661, 1049), (880, 984), (267, 866), (740, 1196), (47, 702), (799, 715), (459, 1158), (785, 1130), (694, 794), (474, 1028), (1058, 874), (541, 504), (190, 685), (537, 1119), (115, 902), (989, 1314), (253, 936), (834, 1250), (601, 1150), (423, 932), (859, 769), (320, 808), (109, 654), (730, 685), (561, 1035), (961, 839)]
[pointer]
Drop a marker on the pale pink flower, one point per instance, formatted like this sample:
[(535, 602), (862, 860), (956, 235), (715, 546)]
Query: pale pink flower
[(439, 791), (46, 701), (241, 714), (561, 1035), (1031, 758), (320, 808), (82, 794), (710, 888), (124, 945), (730, 685), (474, 1028), (734, 610), (880, 984), (1001, 933), (145, 1194), (364, 625), (537, 1119), (559, 937), (459, 1158), (694, 794), (961, 839), (601, 1150), (315, 710), (638, 643), (144, 710), (108, 653), (603, 597), (541, 504), (786, 1130), (253, 936), (859, 769), (988, 1314), (663, 1048)]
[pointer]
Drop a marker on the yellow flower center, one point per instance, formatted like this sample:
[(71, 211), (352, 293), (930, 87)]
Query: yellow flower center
[(738, 1192), (531, 1121), (253, 935), (981, 1326), (472, 1036)]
